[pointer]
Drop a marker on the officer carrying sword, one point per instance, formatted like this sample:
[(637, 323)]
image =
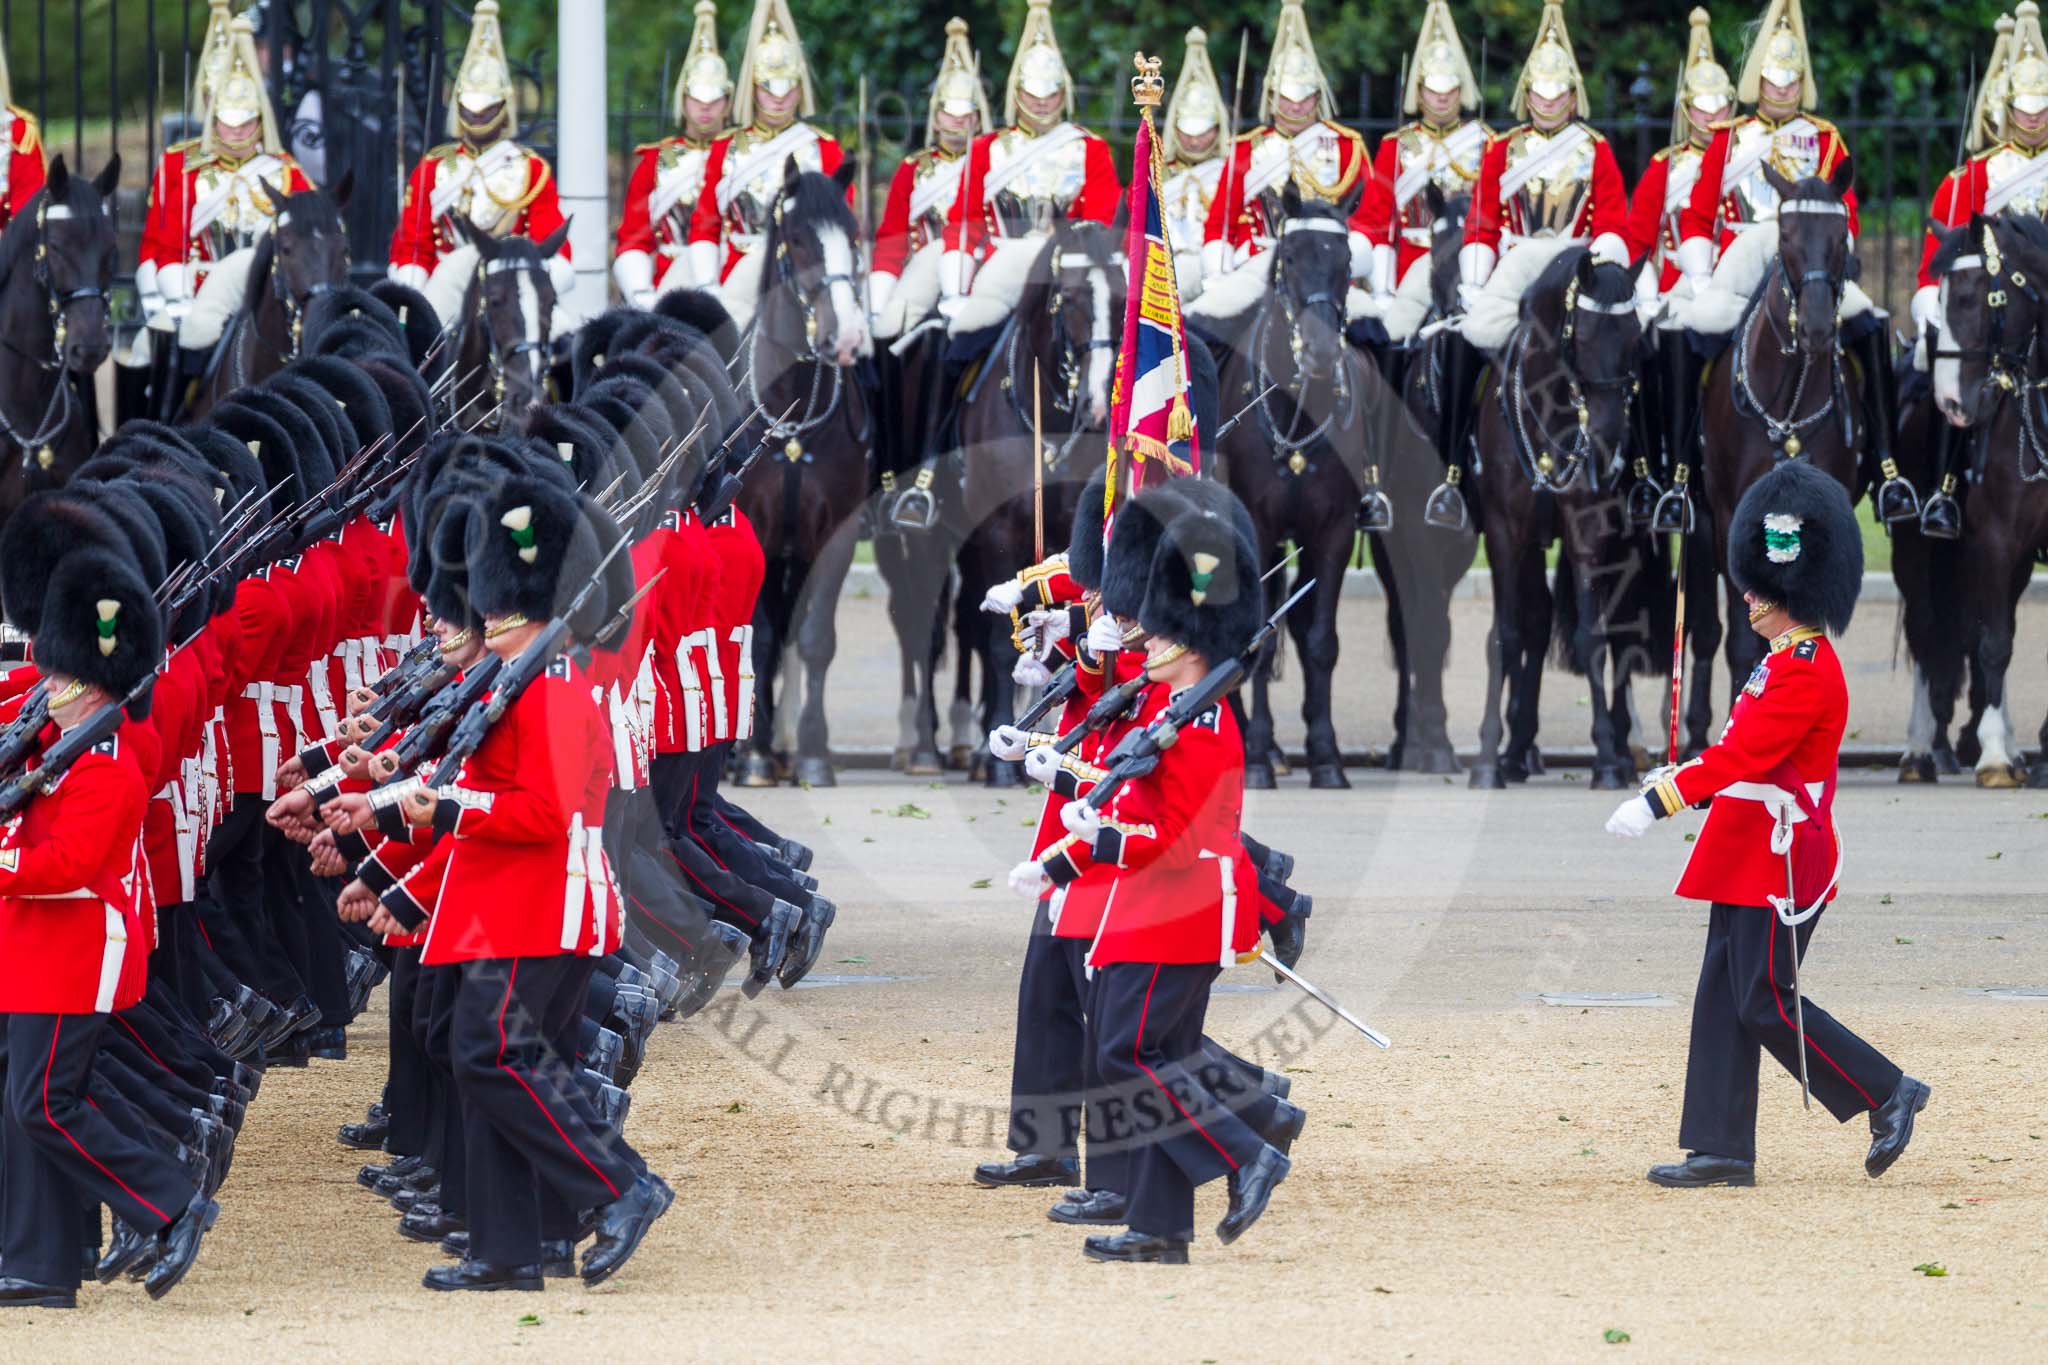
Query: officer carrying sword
[(1797, 554)]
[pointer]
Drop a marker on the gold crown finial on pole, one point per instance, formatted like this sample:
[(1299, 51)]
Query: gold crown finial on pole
[(1148, 88)]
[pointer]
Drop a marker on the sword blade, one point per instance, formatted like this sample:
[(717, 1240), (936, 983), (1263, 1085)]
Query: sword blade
[(1798, 999), (1322, 997)]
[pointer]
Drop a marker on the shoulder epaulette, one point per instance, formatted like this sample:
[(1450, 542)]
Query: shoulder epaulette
[(1823, 125), (560, 667), (110, 746), (1807, 648), (443, 149)]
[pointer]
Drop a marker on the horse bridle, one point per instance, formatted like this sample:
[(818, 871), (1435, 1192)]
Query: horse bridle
[(1288, 445), (1544, 469), (294, 307), (819, 405), (1785, 433), (58, 413), (2007, 367), (496, 358), (1070, 364)]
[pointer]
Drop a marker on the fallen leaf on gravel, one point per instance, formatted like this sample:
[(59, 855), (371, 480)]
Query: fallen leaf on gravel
[(910, 810), (1933, 1270), (529, 1319), (1381, 1289), (1951, 1205), (1614, 1336), (733, 1108), (1993, 857), (979, 884), (853, 959), (1885, 899), (1896, 939)]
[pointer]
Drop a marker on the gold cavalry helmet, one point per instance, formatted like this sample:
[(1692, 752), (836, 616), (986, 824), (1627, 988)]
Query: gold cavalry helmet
[(703, 76), (1987, 113), (774, 59), (958, 89), (1293, 72), (1197, 103), (1039, 69), (2026, 81), (216, 50), (1703, 83), (485, 77), (1439, 64), (1778, 54), (1551, 70), (238, 95)]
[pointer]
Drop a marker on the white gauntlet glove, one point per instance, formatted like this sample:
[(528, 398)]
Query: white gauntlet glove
[(1004, 597), (1030, 671), (1105, 635), (1051, 624), (1081, 819), (1028, 880), (1040, 765), (1006, 742), (1631, 819)]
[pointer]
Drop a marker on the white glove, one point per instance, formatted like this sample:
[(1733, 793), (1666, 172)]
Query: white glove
[(955, 274), (174, 282), (1030, 671), (634, 272), (1383, 262), (1926, 307), (562, 275), (1361, 255), (1468, 295), (1051, 623), (1028, 880), (1081, 819), (703, 258), (1213, 262), (1631, 819), (1475, 264), (1004, 598), (411, 276), (1040, 765), (1610, 248), (1696, 261), (1006, 742), (881, 285), (1105, 635)]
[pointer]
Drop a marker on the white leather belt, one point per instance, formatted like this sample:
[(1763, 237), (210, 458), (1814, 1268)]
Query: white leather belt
[(266, 696), (1773, 796), (744, 636)]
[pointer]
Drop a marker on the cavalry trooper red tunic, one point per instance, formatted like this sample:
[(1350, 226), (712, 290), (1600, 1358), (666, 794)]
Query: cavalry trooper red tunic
[(21, 162), (503, 190), (1732, 194)]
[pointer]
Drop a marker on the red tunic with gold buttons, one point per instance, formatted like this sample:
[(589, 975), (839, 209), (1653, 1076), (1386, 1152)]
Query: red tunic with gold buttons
[(1722, 204), (22, 161)]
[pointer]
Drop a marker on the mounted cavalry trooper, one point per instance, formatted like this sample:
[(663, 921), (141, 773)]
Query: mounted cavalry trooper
[(652, 255), (1038, 167), (1193, 160), (903, 285), (21, 156), (484, 176), (1703, 100), (1544, 187), (1769, 856), (1733, 198), (1442, 146), (1298, 139), (743, 171), (2010, 175)]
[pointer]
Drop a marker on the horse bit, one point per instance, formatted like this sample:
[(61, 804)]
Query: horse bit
[(57, 414), (1545, 470), (498, 359), (815, 414)]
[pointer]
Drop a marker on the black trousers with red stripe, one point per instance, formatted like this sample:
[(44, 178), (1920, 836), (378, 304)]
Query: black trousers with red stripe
[(537, 1150), (1180, 1132), (60, 1156), (1744, 1005)]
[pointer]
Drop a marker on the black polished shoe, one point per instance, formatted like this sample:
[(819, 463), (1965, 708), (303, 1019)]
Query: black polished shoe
[(1278, 1084), (428, 1223), (809, 942), (250, 1078), (1095, 1208), (181, 1246), (1136, 1246), (370, 1176), (456, 1244), (770, 947), (1279, 866), (124, 1251), (1891, 1125), (1288, 1121), (1289, 936), (1701, 1169), (328, 1044), (795, 854), (605, 1054), (558, 1260), (613, 1104), (622, 1224), (367, 1136), (1028, 1171), (724, 950), (1252, 1191), (633, 1018), (16, 1293), (481, 1276)]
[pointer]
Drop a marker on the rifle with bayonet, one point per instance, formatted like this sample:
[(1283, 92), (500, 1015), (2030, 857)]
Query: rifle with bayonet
[(72, 745)]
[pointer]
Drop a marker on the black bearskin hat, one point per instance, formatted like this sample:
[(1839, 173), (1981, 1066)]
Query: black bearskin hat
[(1204, 589), (1133, 537), (1795, 541), (531, 549), (363, 405), (1084, 547), (46, 526), (100, 624)]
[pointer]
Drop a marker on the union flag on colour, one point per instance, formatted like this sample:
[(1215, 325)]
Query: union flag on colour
[(1151, 416)]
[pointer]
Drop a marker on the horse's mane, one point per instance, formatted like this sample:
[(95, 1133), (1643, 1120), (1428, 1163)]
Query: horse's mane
[(1611, 284), (19, 237), (1039, 284), (317, 205), (818, 201)]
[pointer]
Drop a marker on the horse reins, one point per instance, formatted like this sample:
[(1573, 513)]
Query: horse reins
[(2008, 368), (1066, 390), (1785, 433), (58, 412), (1544, 470)]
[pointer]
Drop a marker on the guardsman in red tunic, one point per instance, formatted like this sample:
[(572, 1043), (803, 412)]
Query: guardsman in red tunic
[(653, 255), (1019, 178), (21, 154), (1298, 140), (74, 941), (1441, 147), (1769, 856), (1705, 98), (743, 171), (903, 283), (1734, 195), (501, 187), (214, 197), (2006, 173), (519, 895)]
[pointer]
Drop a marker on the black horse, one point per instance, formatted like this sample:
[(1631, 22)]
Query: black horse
[(1064, 330), (1989, 375), (303, 257), (56, 266), (503, 330), (1554, 427), (800, 389)]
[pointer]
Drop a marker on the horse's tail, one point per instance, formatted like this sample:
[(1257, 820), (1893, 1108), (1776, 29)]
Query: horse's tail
[(1564, 616)]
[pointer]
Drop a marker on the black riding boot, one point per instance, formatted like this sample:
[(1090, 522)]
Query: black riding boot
[(1894, 496), (1375, 511), (1463, 365), (1680, 367), (1941, 516)]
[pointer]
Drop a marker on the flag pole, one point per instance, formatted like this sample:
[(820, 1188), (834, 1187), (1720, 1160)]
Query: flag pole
[(1037, 468)]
